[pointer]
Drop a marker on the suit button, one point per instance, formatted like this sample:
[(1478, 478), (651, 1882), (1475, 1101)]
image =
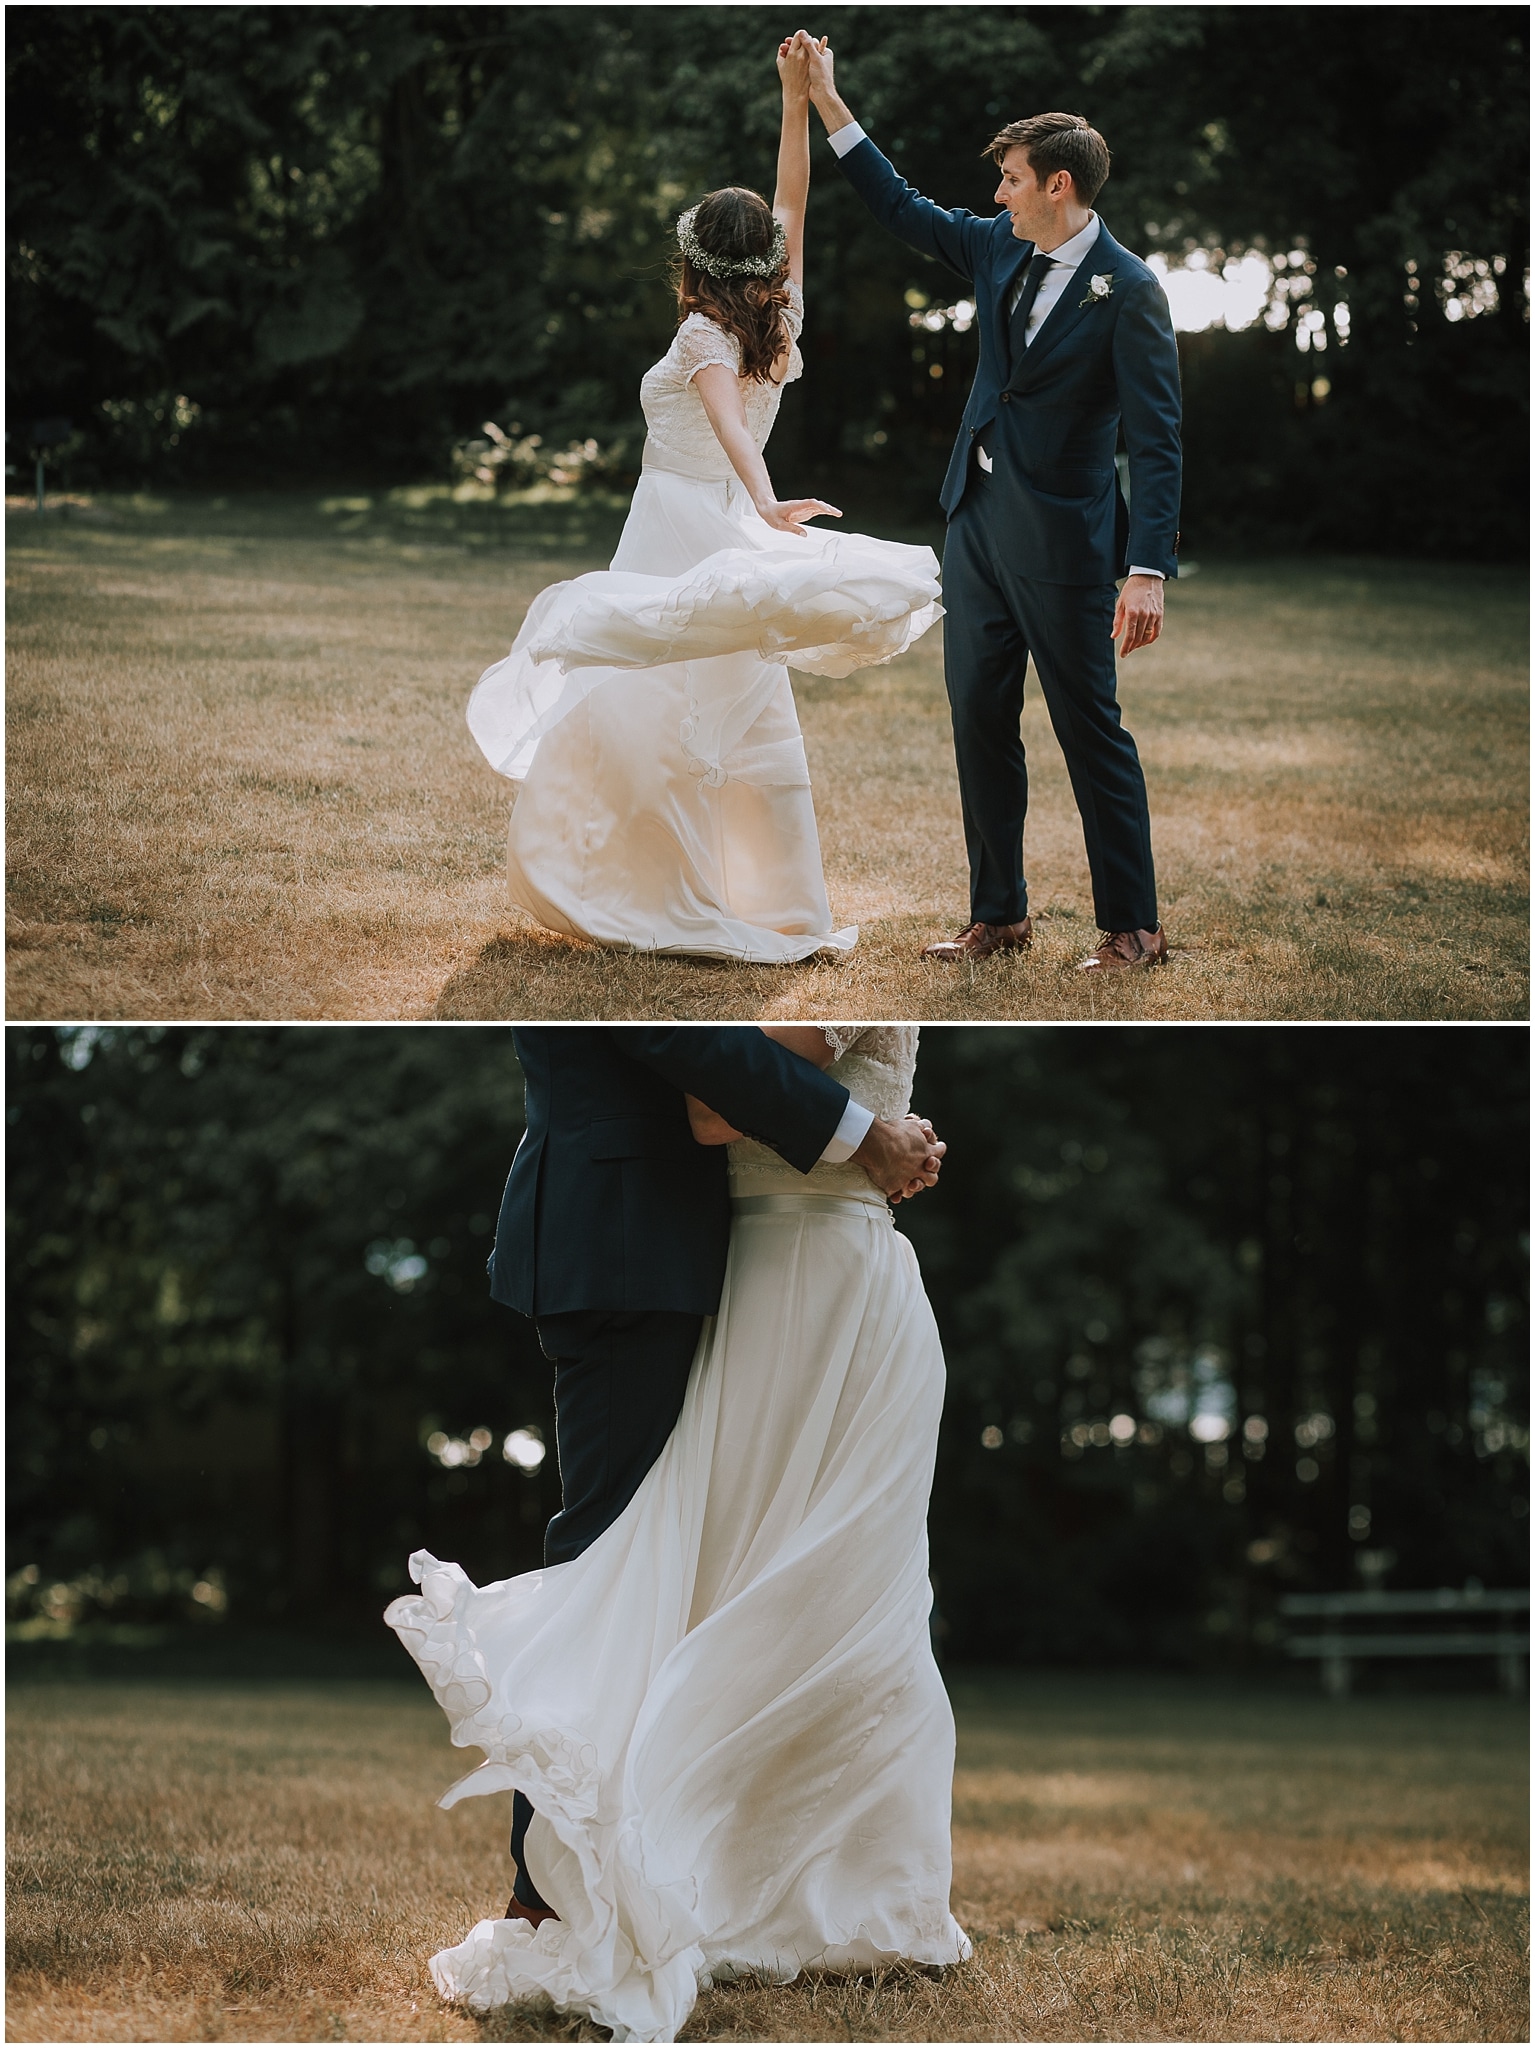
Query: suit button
[(1007, 398)]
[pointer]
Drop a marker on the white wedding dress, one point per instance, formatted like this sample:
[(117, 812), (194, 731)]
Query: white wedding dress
[(646, 710), (726, 1711)]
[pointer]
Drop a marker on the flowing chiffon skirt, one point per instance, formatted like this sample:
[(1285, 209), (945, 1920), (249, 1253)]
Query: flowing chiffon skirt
[(726, 1712), (646, 712)]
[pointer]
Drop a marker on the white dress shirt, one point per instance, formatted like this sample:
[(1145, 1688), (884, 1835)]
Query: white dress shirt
[(1063, 261), (849, 1134)]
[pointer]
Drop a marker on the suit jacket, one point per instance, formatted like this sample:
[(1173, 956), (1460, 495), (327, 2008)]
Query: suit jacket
[(611, 1204), (1055, 416)]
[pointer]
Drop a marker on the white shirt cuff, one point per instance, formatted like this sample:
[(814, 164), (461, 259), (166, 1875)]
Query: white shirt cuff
[(850, 1133), (1160, 574), (846, 138)]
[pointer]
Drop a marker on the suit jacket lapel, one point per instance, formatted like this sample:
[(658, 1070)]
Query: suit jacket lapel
[(1068, 309), (1014, 257)]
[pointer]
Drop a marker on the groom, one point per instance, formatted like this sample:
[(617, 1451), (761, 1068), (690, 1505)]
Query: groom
[(1075, 342), (613, 1233)]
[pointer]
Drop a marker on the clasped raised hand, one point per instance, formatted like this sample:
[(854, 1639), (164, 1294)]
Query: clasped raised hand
[(816, 54), (794, 64)]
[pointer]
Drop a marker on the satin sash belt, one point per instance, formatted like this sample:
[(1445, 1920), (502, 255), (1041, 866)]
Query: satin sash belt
[(800, 1205), (700, 469)]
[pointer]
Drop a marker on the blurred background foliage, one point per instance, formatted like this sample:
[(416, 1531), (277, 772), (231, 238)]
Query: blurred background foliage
[(1228, 1313), (255, 244)]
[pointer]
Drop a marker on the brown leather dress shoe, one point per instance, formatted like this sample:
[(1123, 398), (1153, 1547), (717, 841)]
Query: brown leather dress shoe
[(980, 941), (516, 1910), (1127, 949)]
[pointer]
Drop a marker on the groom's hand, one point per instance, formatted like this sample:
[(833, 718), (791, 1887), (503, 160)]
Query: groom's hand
[(1138, 614), (816, 51), (823, 90), (931, 1166), (901, 1158)]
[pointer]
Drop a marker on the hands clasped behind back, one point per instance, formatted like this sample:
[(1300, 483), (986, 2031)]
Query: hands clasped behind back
[(901, 1158)]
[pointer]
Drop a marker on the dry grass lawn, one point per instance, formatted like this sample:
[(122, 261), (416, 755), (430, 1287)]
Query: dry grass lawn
[(1137, 1861), (240, 786)]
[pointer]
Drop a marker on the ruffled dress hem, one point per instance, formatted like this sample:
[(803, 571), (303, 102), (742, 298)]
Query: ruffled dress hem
[(586, 1962)]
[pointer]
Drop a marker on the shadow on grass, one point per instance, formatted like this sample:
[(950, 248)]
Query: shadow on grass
[(530, 973), (279, 813)]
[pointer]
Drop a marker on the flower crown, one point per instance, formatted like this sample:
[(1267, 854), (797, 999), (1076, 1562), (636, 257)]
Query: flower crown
[(704, 259)]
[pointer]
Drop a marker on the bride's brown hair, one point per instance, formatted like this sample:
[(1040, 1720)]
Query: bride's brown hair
[(736, 224)]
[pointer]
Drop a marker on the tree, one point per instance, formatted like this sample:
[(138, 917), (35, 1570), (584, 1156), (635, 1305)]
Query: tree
[(277, 239), (247, 1286), (1226, 1312)]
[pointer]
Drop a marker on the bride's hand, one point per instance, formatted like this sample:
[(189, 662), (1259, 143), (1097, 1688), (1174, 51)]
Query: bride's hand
[(794, 65), (784, 514)]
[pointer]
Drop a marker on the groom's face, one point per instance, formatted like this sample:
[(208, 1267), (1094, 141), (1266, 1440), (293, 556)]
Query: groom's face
[(1024, 197)]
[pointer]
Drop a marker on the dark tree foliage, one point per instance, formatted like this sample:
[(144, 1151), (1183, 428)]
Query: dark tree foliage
[(247, 1282), (1316, 1239), (263, 241), (247, 1287)]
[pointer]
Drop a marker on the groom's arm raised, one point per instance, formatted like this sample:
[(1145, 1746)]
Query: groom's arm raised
[(953, 235)]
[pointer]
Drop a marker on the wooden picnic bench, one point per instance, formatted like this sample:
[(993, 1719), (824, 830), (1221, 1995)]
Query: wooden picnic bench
[(1357, 1625)]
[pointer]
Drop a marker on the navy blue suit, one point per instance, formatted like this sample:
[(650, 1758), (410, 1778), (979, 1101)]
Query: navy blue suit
[(610, 1204), (613, 1234), (1034, 547)]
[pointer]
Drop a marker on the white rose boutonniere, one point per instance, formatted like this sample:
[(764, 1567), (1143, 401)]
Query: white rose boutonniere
[(1098, 287)]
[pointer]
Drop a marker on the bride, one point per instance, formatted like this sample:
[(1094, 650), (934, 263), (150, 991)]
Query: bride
[(645, 711), (726, 1710)]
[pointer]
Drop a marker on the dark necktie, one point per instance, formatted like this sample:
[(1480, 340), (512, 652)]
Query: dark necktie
[(1018, 324)]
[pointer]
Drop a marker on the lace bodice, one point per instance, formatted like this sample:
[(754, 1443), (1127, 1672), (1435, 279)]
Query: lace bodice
[(876, 1064), (679, 436)]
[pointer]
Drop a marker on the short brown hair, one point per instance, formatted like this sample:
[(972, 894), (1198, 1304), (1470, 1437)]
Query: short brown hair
[(1057, 142)]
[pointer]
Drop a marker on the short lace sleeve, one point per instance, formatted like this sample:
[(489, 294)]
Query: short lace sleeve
[(876, 1062), (893, 1045), (794, 312), (700, 342)]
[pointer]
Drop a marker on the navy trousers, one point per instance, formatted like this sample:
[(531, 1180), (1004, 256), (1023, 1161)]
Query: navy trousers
[(995, 619), (619, 1379)]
